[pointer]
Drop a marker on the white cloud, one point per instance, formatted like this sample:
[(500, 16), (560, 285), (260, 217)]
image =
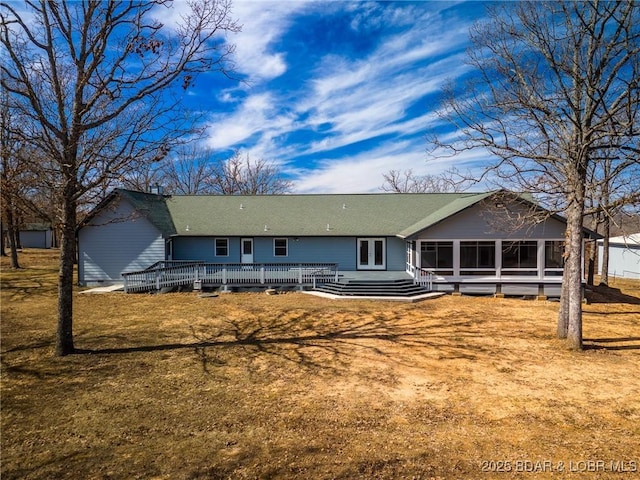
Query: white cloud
[(256, 115), (349, 100), (263, 22)]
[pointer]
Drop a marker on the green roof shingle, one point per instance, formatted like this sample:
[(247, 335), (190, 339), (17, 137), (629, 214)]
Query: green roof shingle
[(383, 214)]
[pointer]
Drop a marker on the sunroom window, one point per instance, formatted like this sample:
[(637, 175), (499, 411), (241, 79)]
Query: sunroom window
[(477, 258), (553, 257), (437, 256), (520, 258)]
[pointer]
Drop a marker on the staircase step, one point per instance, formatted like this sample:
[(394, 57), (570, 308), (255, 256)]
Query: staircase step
[(374, 288)]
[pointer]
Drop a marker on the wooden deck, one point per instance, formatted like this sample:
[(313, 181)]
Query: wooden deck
[(170, 274)]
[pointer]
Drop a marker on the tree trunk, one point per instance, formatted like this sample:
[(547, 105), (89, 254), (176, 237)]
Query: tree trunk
[(563, 312), (604, 278), (591, 263), (2, 242), (11, 236), (573, 269), (64, 344)]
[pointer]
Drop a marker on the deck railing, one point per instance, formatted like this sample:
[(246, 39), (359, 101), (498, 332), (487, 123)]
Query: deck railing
[(423, 277), (167, 274)]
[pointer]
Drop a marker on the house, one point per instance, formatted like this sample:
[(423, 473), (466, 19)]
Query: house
[(482, 243), (624, 256)]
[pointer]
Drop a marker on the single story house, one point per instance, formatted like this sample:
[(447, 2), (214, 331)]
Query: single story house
[(479, 243), (624, 256)]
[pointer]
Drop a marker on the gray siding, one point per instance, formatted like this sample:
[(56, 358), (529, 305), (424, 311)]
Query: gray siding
[(117, 240), (35, 238), (477, 223)]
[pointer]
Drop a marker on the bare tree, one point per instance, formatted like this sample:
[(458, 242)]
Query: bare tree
[(190, 171), (239, 175), (613, 187), (9, 180), (557, 84), (101, 85), (408, 182)]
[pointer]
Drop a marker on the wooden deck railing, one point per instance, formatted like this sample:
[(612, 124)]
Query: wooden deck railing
[(178, 273)]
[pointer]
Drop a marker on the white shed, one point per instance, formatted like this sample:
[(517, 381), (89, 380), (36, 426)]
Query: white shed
[(624, 256)]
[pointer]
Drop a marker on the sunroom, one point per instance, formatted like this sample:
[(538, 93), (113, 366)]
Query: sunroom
[(501, 266)]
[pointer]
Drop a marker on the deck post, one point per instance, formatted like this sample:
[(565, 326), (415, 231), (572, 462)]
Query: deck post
[(157, 279), (300, 274), (262, 274), (224, 275)]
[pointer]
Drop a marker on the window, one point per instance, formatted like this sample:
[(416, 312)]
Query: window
[(222, 247), (553, 254), (521, 255), (553, 258), (477, 255), (437, 256), (280, 247)]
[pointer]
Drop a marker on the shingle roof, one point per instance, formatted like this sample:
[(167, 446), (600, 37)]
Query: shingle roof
[(153, 207), (315, 215)]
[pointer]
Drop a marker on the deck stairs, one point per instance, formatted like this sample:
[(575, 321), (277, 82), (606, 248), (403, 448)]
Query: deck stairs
[(373, 288)]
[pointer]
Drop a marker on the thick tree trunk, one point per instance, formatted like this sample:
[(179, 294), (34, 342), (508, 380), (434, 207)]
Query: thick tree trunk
[(64, 344), (563, 312), (573, 269)]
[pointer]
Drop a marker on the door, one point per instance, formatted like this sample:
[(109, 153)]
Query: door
[(371, 254), (246, 250)]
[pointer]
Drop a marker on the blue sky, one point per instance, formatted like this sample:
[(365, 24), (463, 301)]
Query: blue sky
[(338, 93)]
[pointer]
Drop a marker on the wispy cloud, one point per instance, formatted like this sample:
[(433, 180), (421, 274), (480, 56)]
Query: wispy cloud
[(263, 22), (341, 115)]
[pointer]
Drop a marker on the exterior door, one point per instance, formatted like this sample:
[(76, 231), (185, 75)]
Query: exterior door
[(246, 250), (371, 254)]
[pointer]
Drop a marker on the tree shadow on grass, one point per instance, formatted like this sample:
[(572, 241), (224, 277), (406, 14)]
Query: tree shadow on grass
[(607, 294), (621, 343), (303, 341)]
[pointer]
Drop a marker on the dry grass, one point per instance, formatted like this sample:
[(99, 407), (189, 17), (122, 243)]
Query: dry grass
[(292, 386)]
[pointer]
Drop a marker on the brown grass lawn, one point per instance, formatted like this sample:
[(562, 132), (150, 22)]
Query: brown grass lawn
[(293, 386)]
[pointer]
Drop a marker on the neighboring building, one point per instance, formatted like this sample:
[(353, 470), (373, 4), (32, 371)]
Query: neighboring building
[(471, 242), (36, 235), (624, 256)]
